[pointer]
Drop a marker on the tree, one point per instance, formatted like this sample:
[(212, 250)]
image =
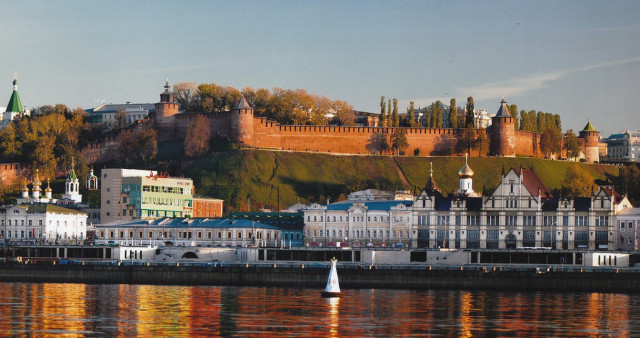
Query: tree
[(147, 141), (399, 140), (383, 112), (571, 144), (185, 95), (468, 121), (394, 115), (550, 142), (466, 141), (377, 143), (453, 114), (513, 110), (344, 112), (121, 120), (576, 183), (126, 147), (411, 115), (196, 141), (482, 142), (437, 114)]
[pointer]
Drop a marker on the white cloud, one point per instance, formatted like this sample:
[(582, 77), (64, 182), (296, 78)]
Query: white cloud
[(514, 87)]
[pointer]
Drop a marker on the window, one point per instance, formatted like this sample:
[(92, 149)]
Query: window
[(581, 220), (602, 221), (492, 219)]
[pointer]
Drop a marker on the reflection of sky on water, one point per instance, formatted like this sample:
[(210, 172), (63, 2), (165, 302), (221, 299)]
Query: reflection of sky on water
[(149, 310)]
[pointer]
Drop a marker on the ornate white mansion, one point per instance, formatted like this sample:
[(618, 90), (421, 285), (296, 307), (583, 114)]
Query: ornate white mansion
[(521, 212)]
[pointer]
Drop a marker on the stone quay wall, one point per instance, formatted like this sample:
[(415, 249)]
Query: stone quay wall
[(355, 276)]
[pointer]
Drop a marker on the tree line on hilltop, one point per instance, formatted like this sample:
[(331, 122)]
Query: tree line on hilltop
[(285, 106)]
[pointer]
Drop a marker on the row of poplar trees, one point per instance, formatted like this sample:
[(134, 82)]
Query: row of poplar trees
[(432, 117)]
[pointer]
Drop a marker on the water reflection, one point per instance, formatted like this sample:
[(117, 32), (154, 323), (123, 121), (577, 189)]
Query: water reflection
[(147, 310)]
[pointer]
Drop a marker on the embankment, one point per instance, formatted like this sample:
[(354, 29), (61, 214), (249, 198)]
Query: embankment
[(352, 276)]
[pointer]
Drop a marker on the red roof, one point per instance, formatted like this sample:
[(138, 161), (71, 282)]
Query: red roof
[(532, 182)]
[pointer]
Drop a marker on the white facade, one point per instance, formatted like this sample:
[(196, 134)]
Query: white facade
[(380, 223), (627, 232), (42, 223), (624, 146)]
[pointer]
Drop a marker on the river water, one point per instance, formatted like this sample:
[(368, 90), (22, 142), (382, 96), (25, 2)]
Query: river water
[(152, 310)]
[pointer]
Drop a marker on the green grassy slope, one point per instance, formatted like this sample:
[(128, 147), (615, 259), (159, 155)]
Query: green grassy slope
[(256, 175)]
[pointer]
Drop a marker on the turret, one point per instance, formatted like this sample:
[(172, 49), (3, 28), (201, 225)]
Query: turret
[(92, 181), (48, 191), (25, 190), (591, 137), (72, 186), (503, 134), (35, 191), (466, 179), (242, 123), (164, 116)]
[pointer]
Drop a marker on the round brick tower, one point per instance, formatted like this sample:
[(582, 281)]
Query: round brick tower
[(502, 134), (164, 116), (591, 137), (166, 107), (242, 123)]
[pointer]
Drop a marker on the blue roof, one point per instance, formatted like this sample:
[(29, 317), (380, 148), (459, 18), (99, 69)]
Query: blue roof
[(582, 203), (373, 205), (195, 223)]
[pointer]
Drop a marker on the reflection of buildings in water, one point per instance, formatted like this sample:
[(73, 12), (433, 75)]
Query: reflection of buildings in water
[(161, 310), (466, 320), (54, 308), (609, 313), (334, 316), (204, 312)]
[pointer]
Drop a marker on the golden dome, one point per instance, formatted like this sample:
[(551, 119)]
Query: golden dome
[(466, 171)]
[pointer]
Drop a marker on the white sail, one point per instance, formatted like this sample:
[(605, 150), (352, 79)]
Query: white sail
[(333, 286)]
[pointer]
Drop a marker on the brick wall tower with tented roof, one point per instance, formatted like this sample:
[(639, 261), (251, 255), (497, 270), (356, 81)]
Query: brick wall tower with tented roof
[(590, 136), (242, 123), (503, 135), (164, 116)]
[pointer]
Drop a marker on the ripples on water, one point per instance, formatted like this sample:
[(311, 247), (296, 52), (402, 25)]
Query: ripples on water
[(151, 310)]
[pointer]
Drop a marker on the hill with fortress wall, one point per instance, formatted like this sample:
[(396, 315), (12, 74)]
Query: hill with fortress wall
[(240, 126)]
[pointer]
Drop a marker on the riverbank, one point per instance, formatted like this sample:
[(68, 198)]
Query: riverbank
[(555, 278)]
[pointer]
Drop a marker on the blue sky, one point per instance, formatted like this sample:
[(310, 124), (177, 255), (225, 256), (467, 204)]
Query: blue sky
[(579, 59)]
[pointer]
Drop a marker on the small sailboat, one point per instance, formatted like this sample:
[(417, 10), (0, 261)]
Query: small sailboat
[(333, 286)]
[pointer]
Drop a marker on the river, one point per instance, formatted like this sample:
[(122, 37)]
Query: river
[(152, 310)]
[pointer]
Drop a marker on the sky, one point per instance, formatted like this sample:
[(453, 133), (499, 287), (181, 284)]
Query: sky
[(578, 59)]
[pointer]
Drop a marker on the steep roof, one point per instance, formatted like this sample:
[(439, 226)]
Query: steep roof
[(589, 127), (243, 104), (504, 109), (14, 105), (532, 182)]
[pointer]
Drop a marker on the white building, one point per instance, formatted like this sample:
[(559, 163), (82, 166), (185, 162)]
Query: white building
[(42, 223), (627, 232), (347, 223), (624, 146), (14, 108), (190, 232), (520, 213)]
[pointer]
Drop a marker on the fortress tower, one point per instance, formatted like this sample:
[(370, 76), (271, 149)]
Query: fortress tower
[(164, 117), (503, 134), (590, 136), (242, 123)]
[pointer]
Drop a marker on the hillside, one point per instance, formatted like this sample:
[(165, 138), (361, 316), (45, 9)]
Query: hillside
[(254, 176)]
